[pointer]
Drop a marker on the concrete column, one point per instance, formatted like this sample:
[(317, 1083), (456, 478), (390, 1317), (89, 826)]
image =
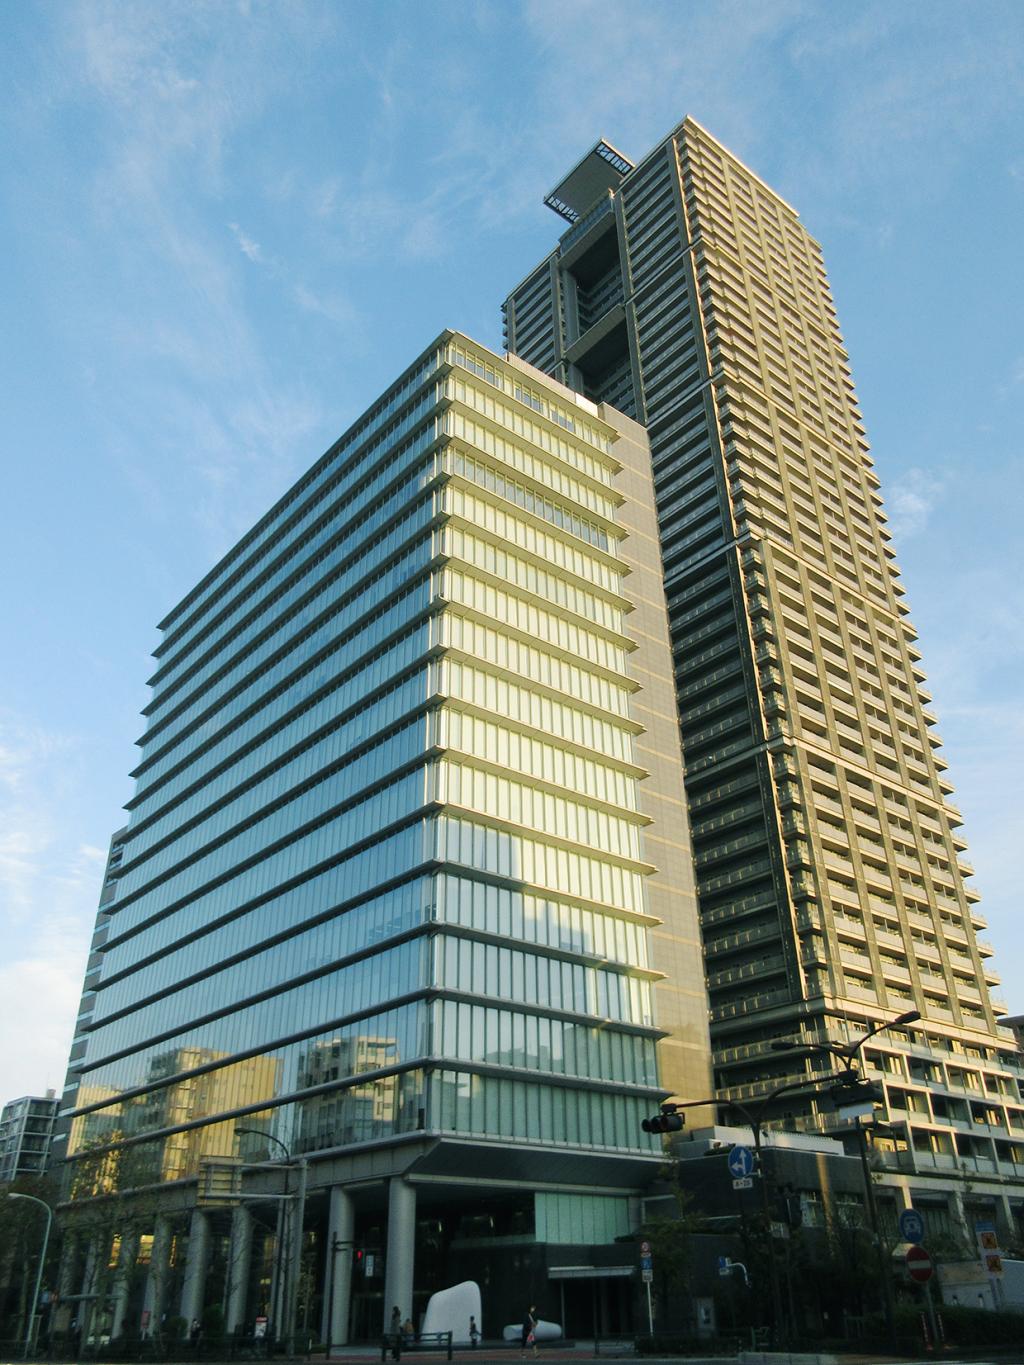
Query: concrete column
[(904, 1196), (401, 1249), (338, 1270), (126, 1254), (156, 1281), (956, 1209), (90, 1281), (62, 1314), (194, 1288), (239, 1257), (1005, 1226)]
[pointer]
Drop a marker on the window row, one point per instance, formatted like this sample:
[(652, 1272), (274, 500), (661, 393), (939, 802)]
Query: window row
[(533, 665), (331, 472), (489, 1106), (536, 757), (528, 918), (349, 877), (500, 520), (341, 728), (367, 542), (572, 421), (519, 858), (546, 627), (250, 827), (475, 686), (461, 463), (363, 926), (503, 798), (292, 679), (462, 964), (528, 577), (366, 1112), (515, 457), (361, 985), (497, 1037), (312, 627), (219, 875)]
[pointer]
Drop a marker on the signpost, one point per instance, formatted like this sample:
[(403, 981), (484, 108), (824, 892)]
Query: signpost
[(991, 1255), (741, 1165), (911, 1224), (920, 1269), (647, 1275)]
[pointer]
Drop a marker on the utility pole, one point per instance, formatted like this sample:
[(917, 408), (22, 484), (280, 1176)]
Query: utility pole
[(849, 1055), (298, 1222), (671, 1120)]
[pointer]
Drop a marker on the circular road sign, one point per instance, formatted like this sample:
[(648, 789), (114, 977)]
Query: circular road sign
[(741, 1162), (911, 1226), (919, 1264), (645, 1248)]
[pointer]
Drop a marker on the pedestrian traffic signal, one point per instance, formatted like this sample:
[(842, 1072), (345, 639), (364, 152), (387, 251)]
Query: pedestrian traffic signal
[(666, 1122)]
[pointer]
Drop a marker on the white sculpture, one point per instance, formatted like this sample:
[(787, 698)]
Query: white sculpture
[(544, 1331), (449, 1310)]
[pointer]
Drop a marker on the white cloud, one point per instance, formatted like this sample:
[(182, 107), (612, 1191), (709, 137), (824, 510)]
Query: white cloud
[(49, 886), (40, 989), (910, 500), (331, 305), (246, 245)]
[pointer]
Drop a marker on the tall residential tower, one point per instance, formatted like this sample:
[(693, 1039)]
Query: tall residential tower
[(831, 873)]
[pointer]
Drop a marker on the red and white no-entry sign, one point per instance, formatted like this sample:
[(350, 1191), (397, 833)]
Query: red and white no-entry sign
[(919, 1264)]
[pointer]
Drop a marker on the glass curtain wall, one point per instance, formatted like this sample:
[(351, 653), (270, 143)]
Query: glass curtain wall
[(383, 870)]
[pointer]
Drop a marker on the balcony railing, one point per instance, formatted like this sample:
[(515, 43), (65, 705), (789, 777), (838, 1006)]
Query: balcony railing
[(600, 210)]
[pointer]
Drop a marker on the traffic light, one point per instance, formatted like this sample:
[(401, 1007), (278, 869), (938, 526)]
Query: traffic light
[(668, 1121), (857, 1096)]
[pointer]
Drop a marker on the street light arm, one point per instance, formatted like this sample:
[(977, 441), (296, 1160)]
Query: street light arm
[(753, 1118), (849, 1052), (258, 1132), (42, 1261)]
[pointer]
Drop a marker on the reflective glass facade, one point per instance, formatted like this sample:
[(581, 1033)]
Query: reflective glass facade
[(385, 871)]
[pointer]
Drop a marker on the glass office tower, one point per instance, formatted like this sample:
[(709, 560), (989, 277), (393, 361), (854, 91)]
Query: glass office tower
[(406, 888), (831, 871)]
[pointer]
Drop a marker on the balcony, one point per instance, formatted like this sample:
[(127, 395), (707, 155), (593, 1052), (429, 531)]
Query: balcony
[(604, 208), (750, 1003)]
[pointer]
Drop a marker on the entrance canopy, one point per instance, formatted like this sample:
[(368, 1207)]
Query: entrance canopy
[(589, 1272)]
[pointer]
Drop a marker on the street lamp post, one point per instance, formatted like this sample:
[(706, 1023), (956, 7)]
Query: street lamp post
[(849, 1055), (288, 1294), (754, 1117), (42, 1261)]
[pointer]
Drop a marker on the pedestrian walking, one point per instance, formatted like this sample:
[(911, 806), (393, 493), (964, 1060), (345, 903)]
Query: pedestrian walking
[(529, 1331), (395, 1333)]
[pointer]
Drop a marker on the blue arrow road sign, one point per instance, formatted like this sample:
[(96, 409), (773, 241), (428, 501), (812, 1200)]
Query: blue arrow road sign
[(912, 1226), (741, 1162)]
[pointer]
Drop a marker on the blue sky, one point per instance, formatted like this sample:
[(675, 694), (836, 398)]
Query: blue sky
[(226, 227)]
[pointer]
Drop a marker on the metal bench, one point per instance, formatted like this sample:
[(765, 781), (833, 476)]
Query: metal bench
[(424, 1341)]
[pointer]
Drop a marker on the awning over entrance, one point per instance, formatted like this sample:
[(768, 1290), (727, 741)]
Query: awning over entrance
[(589, 1272)]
